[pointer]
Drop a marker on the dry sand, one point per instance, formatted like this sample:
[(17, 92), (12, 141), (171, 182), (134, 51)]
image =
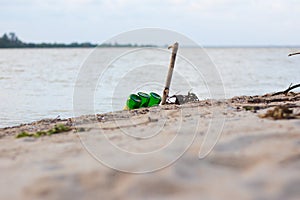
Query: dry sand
[(254, 158)]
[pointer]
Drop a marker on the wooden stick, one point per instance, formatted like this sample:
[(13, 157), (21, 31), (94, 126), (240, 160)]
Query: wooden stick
[(170, 72), (292, 54), (287, 90)]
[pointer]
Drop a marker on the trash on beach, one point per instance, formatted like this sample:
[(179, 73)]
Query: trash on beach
[(183, 99), (142, 100)]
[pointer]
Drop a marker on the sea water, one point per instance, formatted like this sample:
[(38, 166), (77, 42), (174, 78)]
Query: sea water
[(40, 83)]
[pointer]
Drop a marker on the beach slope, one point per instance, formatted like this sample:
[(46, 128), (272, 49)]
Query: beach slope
[(254, 157)]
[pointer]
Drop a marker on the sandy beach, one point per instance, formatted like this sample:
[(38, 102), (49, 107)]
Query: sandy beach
[(255, 156)]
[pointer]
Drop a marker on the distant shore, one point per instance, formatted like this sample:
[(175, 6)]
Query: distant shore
[(12, 41), (9, 41)]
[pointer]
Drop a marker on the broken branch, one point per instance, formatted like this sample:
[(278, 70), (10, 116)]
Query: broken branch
[(292, 54), (287, 90)]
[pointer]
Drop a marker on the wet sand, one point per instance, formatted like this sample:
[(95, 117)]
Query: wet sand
[(254, 158)]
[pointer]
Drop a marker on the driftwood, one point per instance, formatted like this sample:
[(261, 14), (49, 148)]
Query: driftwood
[(292, 54), (277, 107), (287, 90), (170, 73)]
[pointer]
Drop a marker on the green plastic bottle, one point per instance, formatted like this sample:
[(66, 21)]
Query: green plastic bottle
[(145, 99), (155, 99), (133, 101)]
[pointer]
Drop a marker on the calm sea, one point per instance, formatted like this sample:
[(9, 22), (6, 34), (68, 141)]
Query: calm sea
[(39, 83)]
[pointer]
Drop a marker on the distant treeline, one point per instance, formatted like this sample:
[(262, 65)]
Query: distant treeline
[(12, 41)]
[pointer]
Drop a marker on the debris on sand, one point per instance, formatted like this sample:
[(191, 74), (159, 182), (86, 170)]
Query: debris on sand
[(280, 112)]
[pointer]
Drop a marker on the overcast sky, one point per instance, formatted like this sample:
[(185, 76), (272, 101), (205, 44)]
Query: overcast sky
[(208, 22)]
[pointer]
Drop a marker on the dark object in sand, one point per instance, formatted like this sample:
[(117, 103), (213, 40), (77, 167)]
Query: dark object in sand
[(182, 99)]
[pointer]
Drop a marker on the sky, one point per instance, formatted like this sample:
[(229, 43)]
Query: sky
[(207, 22)]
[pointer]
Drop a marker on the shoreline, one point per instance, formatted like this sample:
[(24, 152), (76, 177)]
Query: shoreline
[(252, 103), (254, 157)]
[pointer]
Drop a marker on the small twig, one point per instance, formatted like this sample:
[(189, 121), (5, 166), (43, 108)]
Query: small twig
[(292, 54), (287, 90), (56, 119)]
